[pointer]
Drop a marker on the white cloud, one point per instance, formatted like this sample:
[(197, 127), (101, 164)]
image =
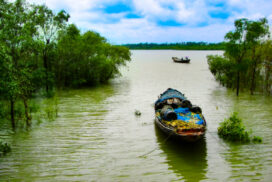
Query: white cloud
[(141, 30), (183, 13), (88, 14), (152, 9), (193, 13), (180, 11), (270, 17), (80, 5)]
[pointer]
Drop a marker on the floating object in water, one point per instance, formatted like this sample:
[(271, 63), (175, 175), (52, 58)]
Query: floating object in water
[(137, 113)]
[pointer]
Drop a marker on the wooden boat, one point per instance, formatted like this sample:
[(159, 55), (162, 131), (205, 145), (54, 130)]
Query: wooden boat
[(178, 60), (178, 118)]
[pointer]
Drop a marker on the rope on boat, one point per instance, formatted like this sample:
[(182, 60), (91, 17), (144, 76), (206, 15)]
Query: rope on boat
[(156, 148)]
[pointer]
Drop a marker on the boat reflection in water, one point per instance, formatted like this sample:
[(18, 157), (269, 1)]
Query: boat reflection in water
[(187, 160)]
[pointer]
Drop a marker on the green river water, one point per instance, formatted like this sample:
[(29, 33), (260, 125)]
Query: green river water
[(97, 136)]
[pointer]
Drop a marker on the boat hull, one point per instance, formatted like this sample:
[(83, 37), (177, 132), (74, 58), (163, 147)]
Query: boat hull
[(182, 136), (177, 60)]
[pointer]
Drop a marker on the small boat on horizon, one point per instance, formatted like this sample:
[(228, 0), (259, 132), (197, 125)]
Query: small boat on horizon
[(178, 118), (181, 60)]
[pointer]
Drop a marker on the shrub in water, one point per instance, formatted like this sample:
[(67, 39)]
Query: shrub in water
[(257, 139), (233, 129), (4, 148)]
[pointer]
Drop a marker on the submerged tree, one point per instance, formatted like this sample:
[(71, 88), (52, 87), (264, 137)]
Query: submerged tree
[(236, 48), (35, 55), (255, 31), (267, 57), (222, 69), (16, 41), (8, 84), (21, 71), (241, 64)]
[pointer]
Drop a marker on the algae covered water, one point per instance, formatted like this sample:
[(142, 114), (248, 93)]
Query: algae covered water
[(97, 136)]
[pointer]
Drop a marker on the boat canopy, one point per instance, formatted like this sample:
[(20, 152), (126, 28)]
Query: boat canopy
[(170, 93)]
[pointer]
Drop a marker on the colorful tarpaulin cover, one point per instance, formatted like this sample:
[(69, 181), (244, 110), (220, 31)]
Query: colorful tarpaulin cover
[(186, 115)]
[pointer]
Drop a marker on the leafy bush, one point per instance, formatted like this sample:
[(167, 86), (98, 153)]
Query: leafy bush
[(50, 108), (257, 139), (3, 109), (4, 148), (222, 69), (86, 59), (232, 129)]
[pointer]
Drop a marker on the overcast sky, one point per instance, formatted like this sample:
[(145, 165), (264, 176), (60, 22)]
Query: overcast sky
[(159, 21)]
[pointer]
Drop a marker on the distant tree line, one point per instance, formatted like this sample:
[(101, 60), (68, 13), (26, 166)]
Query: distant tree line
[(247, 61), (178, 46), (40, 51)]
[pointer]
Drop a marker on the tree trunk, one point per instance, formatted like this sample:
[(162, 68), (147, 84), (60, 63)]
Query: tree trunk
[(45, 64), (255, 59), (46, 70), (252, 87), (267, 75), (238, 83), (12, 114), (28, 117)]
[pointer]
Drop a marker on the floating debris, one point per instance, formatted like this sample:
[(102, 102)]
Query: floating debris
[(137, 113)]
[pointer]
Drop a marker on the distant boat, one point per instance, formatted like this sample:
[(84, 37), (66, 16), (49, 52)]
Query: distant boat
[(181, 60), (178, 118)]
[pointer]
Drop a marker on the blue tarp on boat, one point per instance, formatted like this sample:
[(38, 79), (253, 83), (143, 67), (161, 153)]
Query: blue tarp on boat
[(170, 93), (186, 115)]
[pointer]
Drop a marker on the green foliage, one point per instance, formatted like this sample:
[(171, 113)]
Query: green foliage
[(233, 129), (50, 108), (4, 148), (246, 55), (266, 53), (3, 109), (257, 139), (17, 41), (86, 59), (48, 25), (34, 106), (222, 68), (38, 51)]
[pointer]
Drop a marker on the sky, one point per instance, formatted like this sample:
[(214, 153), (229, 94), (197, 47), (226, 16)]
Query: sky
[(160, 21)]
